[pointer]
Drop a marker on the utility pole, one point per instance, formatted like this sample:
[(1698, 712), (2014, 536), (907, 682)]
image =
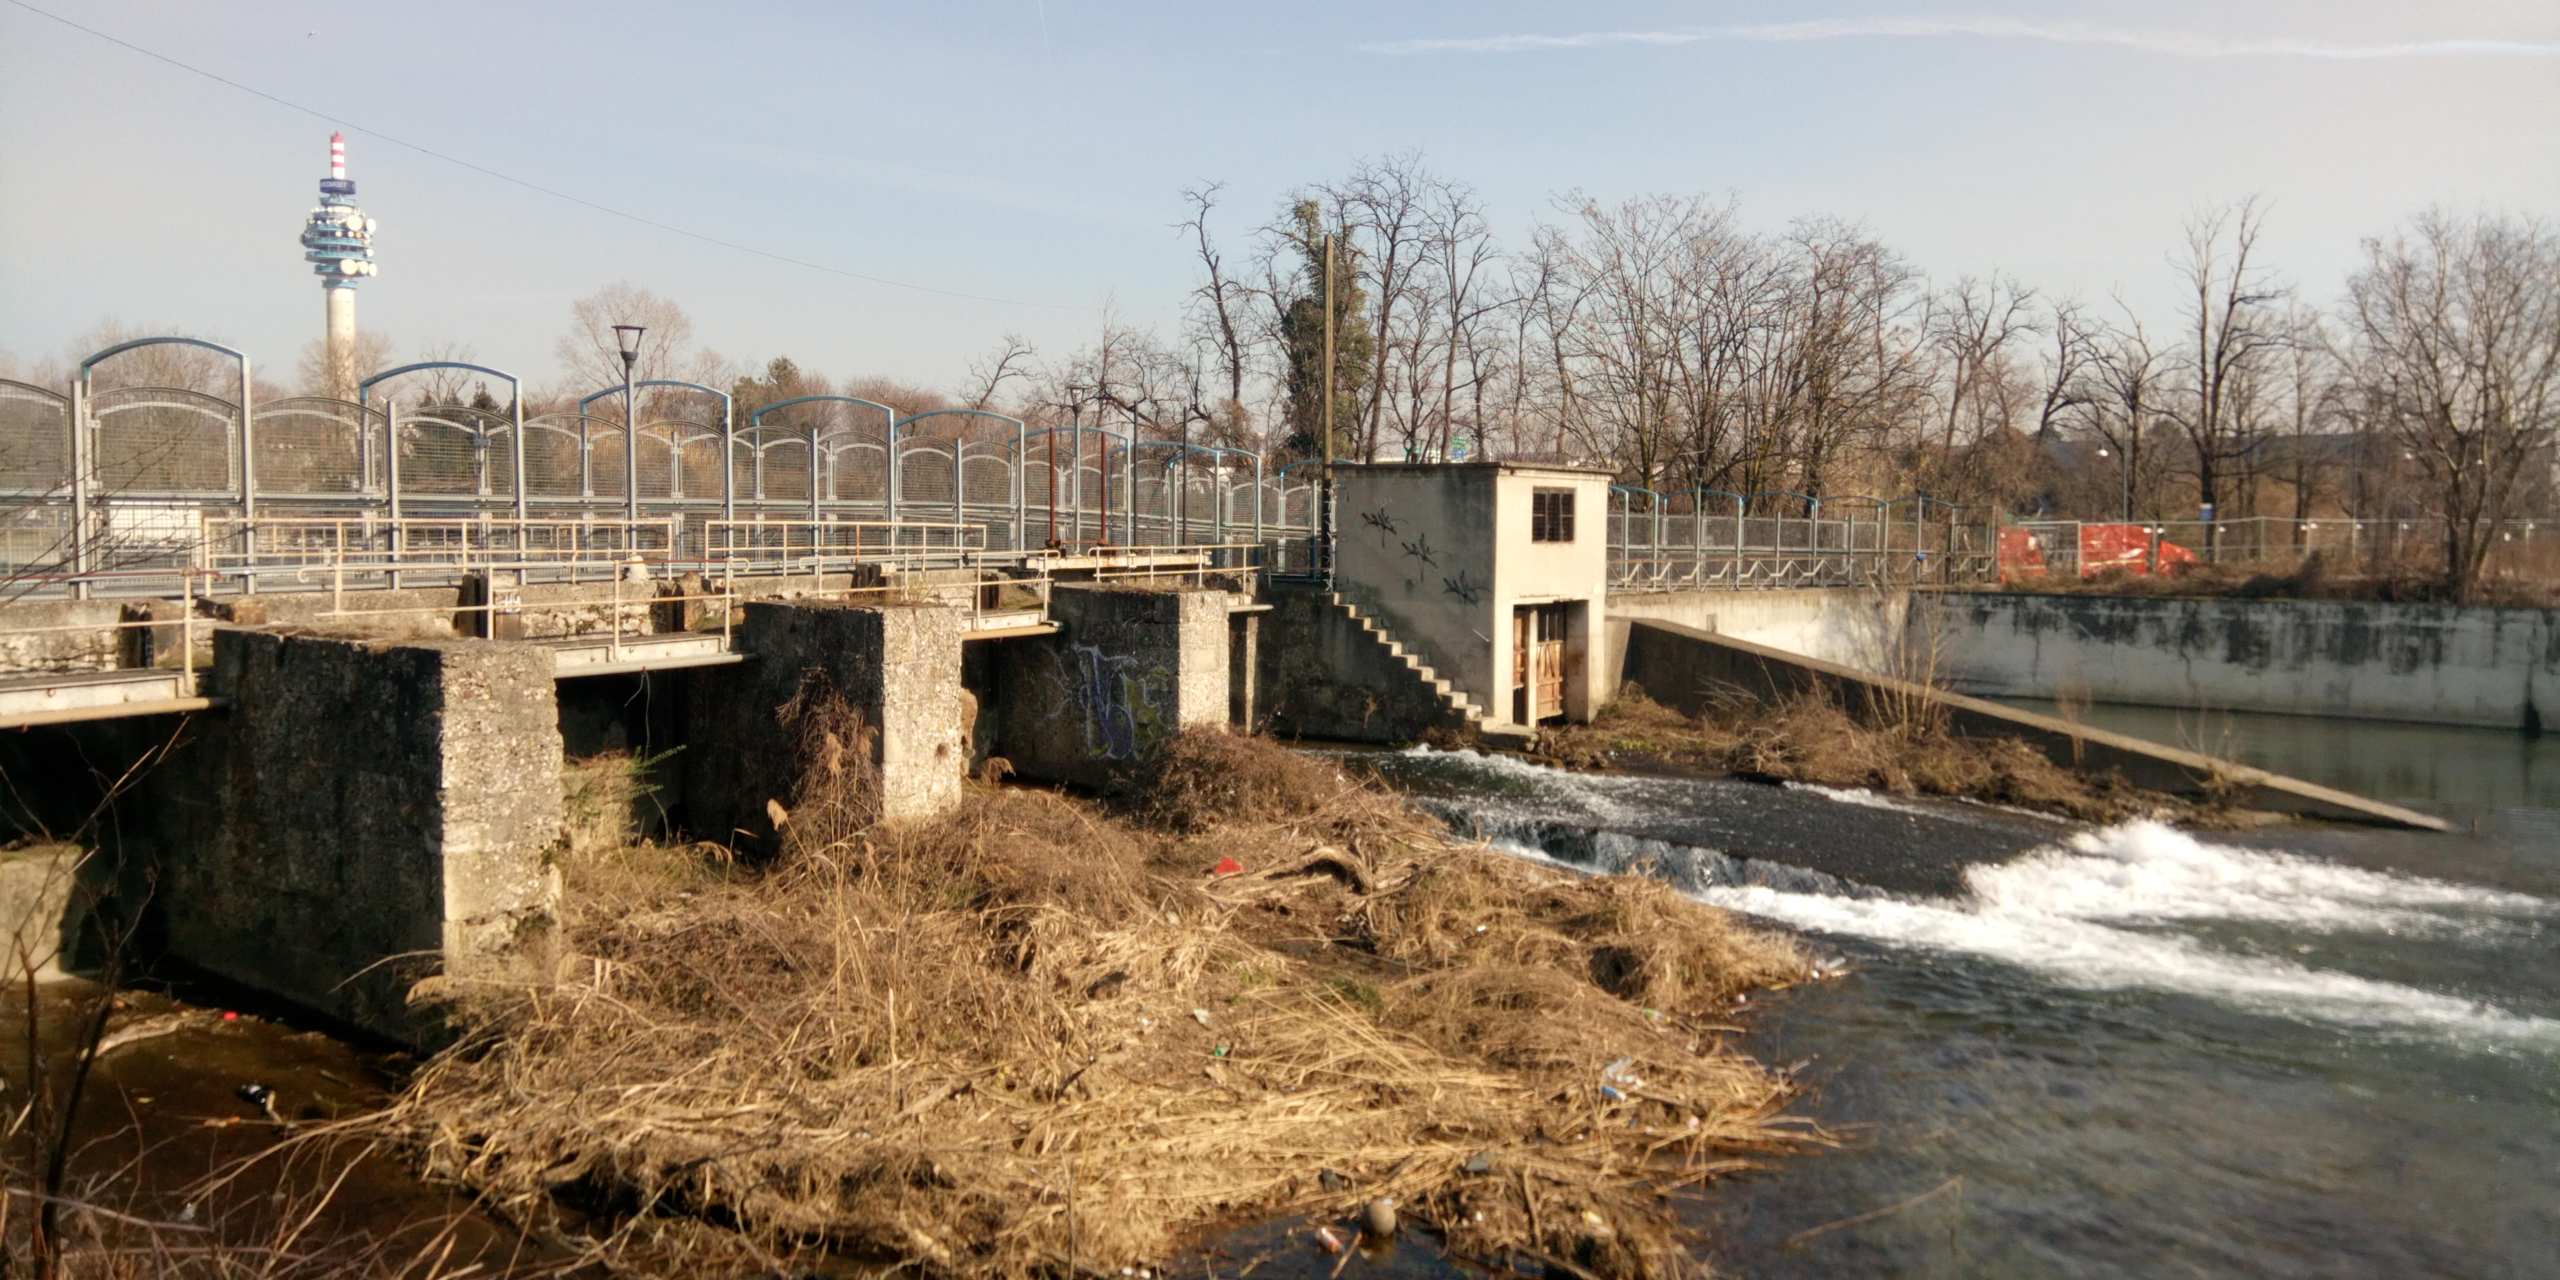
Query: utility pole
[(1325, 517)]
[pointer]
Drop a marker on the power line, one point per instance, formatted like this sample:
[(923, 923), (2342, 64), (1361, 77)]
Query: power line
[(536, 187)]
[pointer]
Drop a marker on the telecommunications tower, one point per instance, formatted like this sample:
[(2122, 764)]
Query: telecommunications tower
[(337, 240)]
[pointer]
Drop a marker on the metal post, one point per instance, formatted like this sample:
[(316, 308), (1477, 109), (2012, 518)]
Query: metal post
[(1021, 489), (391, 479), (1129, 484), (1075, 482), (80, 489), (630, 447), (890, 507), (959, 483), (815, 512), (586, 460), (1324, 498), (248, 480), (1739, 503), (515, 455), (1257, 497), (729, 463)]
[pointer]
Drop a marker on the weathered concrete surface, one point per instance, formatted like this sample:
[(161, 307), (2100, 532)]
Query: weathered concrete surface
[(896, 665), (43, 901), (1321, 676), (1853, 626), (93, 646), (1133, 667), (365, 814), (2432, 664), (1682, 667)]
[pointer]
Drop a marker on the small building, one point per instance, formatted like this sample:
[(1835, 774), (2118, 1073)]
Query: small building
[(1495, 573)]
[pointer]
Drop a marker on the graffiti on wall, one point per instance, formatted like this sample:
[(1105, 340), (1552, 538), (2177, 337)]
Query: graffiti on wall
[(1382, 521), (1464, 587), (1119, 701)]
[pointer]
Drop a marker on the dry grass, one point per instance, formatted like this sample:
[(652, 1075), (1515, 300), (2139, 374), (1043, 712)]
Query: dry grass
[(1811, 738), (1031, 1038)]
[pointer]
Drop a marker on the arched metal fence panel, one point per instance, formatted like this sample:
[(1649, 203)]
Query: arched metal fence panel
[(555, 458), (315, 447), (164, 442), (35, 440)]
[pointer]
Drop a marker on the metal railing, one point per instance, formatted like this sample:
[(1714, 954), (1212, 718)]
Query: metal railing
[(2524, 548)]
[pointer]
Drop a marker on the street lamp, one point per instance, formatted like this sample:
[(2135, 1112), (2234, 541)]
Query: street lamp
[(628, 336)]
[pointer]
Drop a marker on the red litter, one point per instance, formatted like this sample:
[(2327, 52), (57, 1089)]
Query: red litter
[(1227, 867), (230, 1016)]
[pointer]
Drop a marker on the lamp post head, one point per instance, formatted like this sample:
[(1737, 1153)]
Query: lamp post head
[(627, 336)]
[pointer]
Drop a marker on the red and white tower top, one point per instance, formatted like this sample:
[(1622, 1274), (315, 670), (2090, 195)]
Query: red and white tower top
[(338, 155)]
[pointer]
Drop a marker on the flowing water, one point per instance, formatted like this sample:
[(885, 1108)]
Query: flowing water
[(2128, 1051)]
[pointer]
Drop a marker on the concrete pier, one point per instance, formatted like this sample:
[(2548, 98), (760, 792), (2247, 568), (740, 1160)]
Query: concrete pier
[(365, 814), (896, 665), (1133, 667)]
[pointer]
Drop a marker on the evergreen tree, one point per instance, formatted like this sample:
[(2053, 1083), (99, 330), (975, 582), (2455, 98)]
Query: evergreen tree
[(1302, 337)]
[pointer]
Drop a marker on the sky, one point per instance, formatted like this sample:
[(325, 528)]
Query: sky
[(970, 169)]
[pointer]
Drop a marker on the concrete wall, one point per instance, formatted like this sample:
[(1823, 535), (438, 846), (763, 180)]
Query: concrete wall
[(1322, 676), (1133, 667), (1854, 627), (91, 648), (1685, 668), (2434, 664), (362, 815), (1415, 545), (898, 666)]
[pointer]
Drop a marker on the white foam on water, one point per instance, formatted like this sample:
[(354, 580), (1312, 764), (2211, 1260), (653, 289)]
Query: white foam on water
[(1602, 798), (2151, 871), (2059, 912), (1862, 798)]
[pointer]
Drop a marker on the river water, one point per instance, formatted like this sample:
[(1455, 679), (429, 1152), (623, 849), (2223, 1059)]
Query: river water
[(2126, 1051)]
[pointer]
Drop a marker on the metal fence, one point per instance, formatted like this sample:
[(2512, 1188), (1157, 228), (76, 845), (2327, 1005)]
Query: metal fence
[(1711, 538), (103, 479), (2527, 549)]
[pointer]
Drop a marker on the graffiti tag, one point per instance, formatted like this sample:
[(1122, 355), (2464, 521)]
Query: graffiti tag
[(1119, 702)]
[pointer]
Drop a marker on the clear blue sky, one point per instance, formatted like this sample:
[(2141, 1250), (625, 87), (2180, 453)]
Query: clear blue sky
[(1033, 151)]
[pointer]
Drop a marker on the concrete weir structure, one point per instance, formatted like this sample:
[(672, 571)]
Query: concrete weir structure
[(360, 814), (2478, 665)]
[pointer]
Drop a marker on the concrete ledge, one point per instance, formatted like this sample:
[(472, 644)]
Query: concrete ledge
[(1683, 668)]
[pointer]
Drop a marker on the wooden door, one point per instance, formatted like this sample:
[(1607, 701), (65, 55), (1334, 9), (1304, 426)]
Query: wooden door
[(1521, 649), (1550, 668)]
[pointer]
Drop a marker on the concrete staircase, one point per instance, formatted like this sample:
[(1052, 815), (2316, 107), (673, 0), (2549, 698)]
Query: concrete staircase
[(1461, 708)]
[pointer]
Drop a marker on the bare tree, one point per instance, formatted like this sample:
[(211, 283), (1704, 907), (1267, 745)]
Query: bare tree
[(2455, 331), (1970, 328), (314, 377), (2235, 322), (2067, 359), (1219, 303), (591, 356), (1008, 362), (2128, 377), (1383, 202)]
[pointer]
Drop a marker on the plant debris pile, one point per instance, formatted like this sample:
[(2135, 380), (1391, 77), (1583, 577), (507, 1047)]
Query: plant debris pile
[(1034, 1038)]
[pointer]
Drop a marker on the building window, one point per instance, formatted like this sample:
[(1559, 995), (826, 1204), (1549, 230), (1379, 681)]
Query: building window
[(1551, 515)]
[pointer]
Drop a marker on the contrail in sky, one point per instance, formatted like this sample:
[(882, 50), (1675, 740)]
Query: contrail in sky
[(2175, 44)]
